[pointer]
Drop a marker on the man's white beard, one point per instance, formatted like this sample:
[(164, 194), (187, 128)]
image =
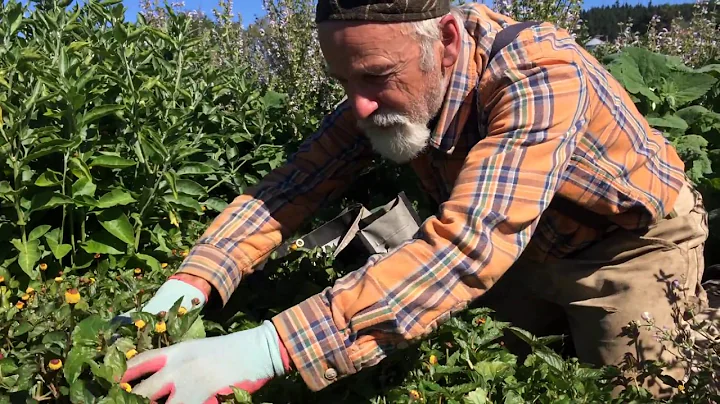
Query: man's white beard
[(402, 137), (400, 142)]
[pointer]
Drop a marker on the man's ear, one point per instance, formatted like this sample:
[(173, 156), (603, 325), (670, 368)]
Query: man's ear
[(450, 30)]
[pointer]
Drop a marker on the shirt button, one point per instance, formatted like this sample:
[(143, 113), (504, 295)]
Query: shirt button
[(331, 374)]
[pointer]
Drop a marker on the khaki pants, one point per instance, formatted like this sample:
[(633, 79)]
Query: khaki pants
[(595, 294)]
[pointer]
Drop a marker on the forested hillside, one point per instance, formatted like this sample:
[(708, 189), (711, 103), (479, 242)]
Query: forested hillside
[(604, 21)]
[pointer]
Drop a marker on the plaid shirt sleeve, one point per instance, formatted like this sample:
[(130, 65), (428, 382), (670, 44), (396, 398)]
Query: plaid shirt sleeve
[(537, 116), (255, 223)]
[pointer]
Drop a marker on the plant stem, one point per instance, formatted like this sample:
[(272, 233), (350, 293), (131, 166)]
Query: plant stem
[(152, 193)]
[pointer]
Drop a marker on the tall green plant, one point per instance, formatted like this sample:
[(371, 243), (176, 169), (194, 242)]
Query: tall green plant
[(118, 139), (670, 95)]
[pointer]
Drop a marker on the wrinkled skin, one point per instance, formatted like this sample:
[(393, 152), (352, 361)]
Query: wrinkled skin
[(392, 96)]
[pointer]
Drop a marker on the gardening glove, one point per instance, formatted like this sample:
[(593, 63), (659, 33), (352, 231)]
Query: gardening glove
[(166, 296), (196, 371)]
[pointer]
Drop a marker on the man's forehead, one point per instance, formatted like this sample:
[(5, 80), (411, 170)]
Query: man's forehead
[(351, 29), (374, 53)]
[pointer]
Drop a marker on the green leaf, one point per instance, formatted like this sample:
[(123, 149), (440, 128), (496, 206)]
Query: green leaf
[(273, 99), (626, 70), (14, 17), (588, 373), (151, 261), (79, 168), (216, 204), (668, 121), (29, 254), (22, 329), (49, 178), (86, 331), (693, 113), (83, 186), (195, 331), (551, 358), (114, 198), (172, 182), (53, 241), (55, 337), (80, 394), (7, 366), (184, 201), (523, 335), (115, 362), (75, 362), (48, 200), (477, 396), (104, 243), (241, 396), (194, 169), (190, 187), (687, 87), (711, 68), (491, 370), (38, 232), (48, 147), (99, 112), (117, 224), (111, 162)]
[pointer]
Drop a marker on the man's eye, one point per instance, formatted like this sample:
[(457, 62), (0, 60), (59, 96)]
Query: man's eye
[(376, 77)]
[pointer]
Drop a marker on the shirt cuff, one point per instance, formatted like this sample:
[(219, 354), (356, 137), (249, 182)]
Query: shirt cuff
[(314, 343), (216, 267)]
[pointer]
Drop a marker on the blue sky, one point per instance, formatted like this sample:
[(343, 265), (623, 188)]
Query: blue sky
[(249, 9)]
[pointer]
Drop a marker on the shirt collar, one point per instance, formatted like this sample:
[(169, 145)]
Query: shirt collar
[(480, 25)]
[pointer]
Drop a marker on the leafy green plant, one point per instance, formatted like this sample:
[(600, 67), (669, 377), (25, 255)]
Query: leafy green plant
[(119, 143), (670, 95), (117, 138)]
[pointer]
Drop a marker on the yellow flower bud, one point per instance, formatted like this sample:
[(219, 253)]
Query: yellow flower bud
[(55, 364), (681, 388), (58, 279), (72, 296), (433, 360), (138, 270), (92, 280), (29, 290), (129, 354), (43, 266), (160, 327), (414, 394), (139, 324), (20, 305), (182, 311), (25, 297), (164, 265), (126, 387), (2, 279)]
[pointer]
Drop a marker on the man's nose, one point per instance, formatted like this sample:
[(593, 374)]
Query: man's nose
[(363, 106)]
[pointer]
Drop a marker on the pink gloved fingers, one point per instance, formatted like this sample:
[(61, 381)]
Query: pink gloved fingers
[(157, 386), (167, 389), (143, 367)]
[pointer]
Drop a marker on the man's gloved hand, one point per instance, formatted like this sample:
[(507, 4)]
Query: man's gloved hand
[(196, 371), (166, 296)]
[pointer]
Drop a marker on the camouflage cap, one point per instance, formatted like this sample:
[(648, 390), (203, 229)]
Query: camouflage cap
[(381, 10)]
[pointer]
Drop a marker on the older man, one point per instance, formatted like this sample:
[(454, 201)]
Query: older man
[(520, 151)]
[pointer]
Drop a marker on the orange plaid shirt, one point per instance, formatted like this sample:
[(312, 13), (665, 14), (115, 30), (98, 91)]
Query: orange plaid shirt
[(544, 118)]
